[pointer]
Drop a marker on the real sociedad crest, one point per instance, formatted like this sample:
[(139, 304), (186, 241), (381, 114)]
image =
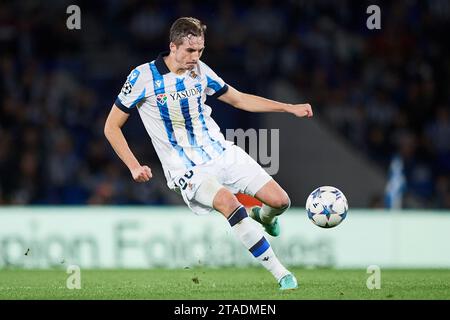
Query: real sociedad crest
[(193, 75)]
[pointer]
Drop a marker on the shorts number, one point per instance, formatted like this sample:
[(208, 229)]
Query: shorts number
[(182, 182)]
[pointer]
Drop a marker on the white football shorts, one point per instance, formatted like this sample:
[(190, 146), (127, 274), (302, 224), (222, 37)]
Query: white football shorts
[(234, 170)]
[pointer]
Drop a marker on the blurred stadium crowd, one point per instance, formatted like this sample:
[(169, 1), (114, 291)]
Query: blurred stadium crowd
[(386, 91)]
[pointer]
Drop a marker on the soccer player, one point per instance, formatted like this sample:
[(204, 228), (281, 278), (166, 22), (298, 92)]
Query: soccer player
[(169, 94)]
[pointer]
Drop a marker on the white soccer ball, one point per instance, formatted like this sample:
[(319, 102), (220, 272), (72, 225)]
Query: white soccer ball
[(326, 207)]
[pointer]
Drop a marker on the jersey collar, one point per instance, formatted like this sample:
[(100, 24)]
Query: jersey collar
[(161, 64)]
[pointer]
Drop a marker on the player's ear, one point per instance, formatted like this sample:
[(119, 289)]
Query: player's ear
[(173, 47)]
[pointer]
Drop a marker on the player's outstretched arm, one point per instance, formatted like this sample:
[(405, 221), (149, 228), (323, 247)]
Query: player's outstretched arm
[(252, 103), (113, 132)]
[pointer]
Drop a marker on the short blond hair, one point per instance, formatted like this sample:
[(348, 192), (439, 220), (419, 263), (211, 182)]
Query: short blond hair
[(184, 27)]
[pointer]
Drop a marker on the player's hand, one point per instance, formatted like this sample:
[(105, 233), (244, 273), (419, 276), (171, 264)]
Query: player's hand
[(301, 110), (141, 174)]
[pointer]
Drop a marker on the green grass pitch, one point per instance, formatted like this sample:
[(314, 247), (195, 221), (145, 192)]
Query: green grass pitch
[(224, 283)]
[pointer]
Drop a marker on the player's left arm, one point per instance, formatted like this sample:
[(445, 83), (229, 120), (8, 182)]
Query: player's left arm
[(252, 103)]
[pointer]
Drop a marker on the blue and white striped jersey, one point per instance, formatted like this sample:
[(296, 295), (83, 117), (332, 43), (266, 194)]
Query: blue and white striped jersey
[(173, 110)]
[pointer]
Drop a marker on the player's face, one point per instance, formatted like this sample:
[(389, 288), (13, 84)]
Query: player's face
[(189, 52)]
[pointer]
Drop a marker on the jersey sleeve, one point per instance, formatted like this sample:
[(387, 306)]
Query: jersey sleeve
[(215, 85), (132, 93)]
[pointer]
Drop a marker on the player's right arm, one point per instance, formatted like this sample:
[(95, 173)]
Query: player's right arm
[(113, 132), (132, 93)]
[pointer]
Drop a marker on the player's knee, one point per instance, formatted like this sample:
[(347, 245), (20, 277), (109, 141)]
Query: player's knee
[(281, 202), (225, 202)]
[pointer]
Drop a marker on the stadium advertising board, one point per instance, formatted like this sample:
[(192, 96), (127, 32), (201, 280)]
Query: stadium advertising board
[(127, 237)]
